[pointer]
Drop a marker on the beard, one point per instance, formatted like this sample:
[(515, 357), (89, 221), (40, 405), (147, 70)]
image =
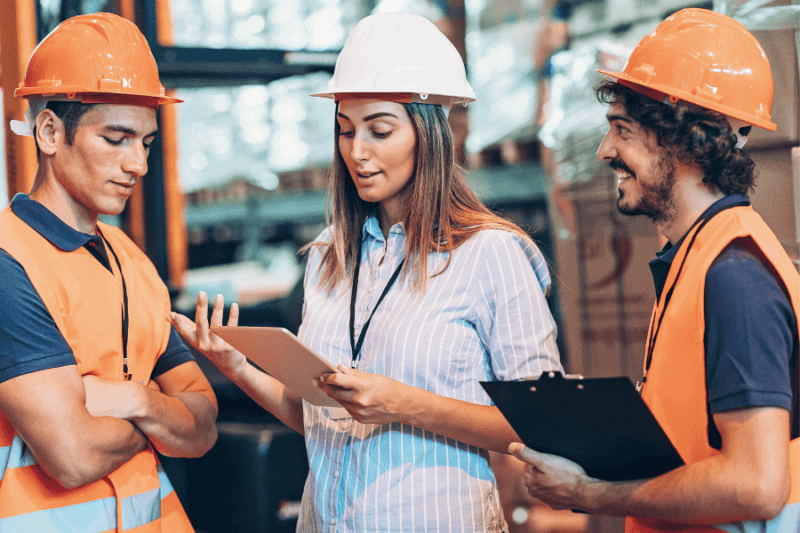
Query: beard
[(655, 197)]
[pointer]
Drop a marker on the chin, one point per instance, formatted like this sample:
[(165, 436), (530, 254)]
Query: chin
[(113, 209)]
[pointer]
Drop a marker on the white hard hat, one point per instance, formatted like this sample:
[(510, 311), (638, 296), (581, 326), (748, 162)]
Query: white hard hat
[(401, 54)]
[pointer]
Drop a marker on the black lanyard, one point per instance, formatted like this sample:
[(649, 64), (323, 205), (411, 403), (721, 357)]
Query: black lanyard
[(355, 347), (656, 327), (125, 374)]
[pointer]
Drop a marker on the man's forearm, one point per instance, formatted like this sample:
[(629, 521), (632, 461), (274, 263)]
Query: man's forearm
[(181, 425), (748, 479), (700, 493), (82, 461)]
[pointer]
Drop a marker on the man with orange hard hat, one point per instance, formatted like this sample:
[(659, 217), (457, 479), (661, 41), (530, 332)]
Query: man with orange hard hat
[(93, 379), (721, 365)]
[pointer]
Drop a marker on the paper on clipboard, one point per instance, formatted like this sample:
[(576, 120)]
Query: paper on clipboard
[(279, 353), (601, 423)]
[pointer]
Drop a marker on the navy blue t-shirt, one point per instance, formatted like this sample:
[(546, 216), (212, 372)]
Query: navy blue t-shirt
[(29, 338), (750, 326)]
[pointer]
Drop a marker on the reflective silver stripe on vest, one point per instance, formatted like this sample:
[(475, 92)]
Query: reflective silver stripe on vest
[(786, 522), (15, 456), (141, 509), (88, 517), (166, 486)]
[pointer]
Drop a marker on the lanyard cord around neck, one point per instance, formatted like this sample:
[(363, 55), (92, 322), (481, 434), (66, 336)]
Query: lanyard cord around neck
[(125, 374), (656, 327), (355, 347)]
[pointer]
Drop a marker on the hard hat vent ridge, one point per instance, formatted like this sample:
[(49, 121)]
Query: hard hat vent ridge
[(705, 58), (100, 57), (400, 53)]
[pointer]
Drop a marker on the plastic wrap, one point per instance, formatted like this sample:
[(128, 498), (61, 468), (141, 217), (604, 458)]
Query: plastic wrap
[(502, 73), (576, 121)]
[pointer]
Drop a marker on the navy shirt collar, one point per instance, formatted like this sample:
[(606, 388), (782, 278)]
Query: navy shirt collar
[(48, 225), (659, 267)]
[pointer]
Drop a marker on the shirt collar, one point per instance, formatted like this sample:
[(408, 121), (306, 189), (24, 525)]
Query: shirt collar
[(668, 252), (372, 227), (48, 225)]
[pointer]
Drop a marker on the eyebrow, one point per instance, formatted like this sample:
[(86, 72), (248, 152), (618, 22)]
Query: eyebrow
[(621, 118), (370, 117), (128, 131)]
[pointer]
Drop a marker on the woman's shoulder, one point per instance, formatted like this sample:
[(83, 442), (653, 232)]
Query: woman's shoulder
[(492, 238), (499, 245)]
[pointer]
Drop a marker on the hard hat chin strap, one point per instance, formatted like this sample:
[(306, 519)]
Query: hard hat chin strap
[(741, 129)]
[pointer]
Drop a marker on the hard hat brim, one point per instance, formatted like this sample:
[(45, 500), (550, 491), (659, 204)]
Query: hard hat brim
[(85, 96), (660, 92)]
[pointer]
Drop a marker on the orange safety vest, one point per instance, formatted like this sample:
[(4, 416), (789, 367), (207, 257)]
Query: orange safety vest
[(85, 301), (675, 389)]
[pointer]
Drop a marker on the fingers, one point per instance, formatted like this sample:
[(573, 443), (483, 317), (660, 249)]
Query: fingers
[(515, 447), (522, 452), (184, 326), (219, 309), (201, 317), (233, 315), (345, 378)]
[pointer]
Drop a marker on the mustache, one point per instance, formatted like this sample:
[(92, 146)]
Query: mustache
[(619, 164)]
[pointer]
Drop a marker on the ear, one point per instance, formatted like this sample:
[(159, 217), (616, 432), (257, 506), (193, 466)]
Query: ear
[(49, 131)]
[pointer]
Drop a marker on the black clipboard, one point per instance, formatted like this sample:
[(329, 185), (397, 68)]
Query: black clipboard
[(600, 423)]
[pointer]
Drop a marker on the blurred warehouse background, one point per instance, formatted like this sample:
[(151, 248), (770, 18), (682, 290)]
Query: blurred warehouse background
[(237, 183)]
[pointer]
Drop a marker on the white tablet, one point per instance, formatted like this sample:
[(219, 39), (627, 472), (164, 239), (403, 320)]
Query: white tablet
[(279, 353)]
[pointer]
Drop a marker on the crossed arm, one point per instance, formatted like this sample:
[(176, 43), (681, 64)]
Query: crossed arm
[(748, 479), (79, 429)]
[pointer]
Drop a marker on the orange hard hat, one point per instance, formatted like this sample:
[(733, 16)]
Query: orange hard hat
[(101, 57), (705, 58)]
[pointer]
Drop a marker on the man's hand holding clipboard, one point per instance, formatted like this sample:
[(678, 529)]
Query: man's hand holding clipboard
[(577, 428)]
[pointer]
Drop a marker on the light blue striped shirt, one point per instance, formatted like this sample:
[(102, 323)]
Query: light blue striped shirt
[(485, 318)]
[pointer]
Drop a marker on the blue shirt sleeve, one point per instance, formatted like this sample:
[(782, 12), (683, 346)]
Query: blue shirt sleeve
[(29, 338), (176, 354), (749, 334)]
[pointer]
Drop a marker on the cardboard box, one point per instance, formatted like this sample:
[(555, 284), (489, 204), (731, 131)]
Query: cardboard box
[(605, 286), (776, 194)]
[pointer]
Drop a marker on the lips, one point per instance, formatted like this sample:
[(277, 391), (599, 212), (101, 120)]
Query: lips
[(367, 175), (126, 186), (621, 169)]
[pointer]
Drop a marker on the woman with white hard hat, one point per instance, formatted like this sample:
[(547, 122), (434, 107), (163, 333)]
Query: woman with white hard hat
[(417, 292)]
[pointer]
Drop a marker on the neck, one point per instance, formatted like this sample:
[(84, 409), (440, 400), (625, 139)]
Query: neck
[(58, 201), (691, 198), (389, 214)]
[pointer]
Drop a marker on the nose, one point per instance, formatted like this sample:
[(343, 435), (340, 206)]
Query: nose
[(606, 150), (135, 161), (359, 150)]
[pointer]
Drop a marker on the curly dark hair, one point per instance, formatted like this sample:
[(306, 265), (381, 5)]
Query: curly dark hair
[(694, 135)]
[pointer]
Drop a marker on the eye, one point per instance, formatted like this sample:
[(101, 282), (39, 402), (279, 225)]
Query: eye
[(343, 133), (115, 142), (381, 134)]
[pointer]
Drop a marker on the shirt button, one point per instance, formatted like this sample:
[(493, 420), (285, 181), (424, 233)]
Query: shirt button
[(345, 425), (336, 473)]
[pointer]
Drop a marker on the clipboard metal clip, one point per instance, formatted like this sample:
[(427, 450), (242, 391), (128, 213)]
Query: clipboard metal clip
[(555, 375)]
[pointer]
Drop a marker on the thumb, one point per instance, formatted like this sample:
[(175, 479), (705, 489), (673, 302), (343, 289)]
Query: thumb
[(523, 453)]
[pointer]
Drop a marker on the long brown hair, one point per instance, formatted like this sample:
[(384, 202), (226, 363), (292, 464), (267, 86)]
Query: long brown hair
[(441, 211)]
